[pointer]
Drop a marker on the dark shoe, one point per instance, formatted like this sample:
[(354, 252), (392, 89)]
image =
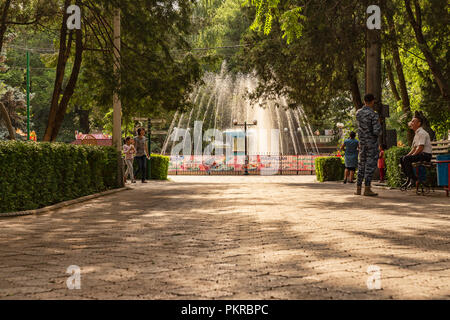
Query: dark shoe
[(133, 181), (368, 192), (345, 181), (358, 191), (143, 181)]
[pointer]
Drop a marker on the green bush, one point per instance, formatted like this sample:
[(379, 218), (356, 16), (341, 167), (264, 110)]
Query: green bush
[(34, 175), (159, 167), (329, 168), (393, 171)]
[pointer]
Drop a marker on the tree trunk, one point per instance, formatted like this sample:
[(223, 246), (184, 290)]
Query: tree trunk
[(4, 114), (416, 23), (70, 88), (84, 119), (406, 106), (60, 68), (58, 107), (391, 78), (354, 88), (373, 73), (3, 22)]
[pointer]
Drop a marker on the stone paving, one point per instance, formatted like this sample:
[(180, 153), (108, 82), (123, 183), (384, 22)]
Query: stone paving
[(232, 237)]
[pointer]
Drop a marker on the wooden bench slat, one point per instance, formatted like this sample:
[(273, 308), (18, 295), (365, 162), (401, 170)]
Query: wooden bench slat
[(440, 147)]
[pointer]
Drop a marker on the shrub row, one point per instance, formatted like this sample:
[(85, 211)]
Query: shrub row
[(393, 171), (332, 168), (35, 175), (329, 168), (159, 167)]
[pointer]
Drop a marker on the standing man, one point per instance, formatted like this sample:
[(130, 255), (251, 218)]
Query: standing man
[(421, 150), (369, 128), (141, 153)]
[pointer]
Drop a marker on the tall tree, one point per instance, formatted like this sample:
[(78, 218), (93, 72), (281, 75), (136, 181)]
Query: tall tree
[(391, 78), (406, 107), (7, 120), (12, 106), (321, 56), (24, 13), (58, 105), (156, 69), (415, 20), (3, 22)]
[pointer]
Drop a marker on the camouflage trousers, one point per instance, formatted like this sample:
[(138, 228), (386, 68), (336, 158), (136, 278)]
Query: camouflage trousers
[(368, 160)]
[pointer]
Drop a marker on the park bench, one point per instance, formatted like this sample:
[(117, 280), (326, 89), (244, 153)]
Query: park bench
[(438, 148)]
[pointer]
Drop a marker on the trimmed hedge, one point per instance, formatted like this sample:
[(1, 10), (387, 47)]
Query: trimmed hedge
[(329, 168), (393, 171), (159, 167), (34, 175)]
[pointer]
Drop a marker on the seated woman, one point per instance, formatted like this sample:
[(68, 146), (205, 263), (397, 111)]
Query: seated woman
[(351, 156)]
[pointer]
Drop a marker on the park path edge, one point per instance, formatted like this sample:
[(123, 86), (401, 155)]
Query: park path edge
[(62, 204)]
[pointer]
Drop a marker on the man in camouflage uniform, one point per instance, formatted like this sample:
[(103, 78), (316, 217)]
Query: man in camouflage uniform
[(369, 128)]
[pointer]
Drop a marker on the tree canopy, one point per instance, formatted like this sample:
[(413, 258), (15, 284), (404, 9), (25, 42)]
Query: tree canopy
[(321, 60), (311, 51)]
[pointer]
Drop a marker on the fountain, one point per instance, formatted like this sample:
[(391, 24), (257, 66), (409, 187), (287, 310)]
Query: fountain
[(222, 99)]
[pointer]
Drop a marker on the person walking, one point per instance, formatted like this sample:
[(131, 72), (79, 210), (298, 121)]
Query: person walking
[(350, 146), (141, 154), (369, 128), (129, 151)]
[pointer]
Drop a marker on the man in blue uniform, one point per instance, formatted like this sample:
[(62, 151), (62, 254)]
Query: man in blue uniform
[(369, 128)]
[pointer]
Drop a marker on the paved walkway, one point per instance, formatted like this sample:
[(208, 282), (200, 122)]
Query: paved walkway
[(234, 237)]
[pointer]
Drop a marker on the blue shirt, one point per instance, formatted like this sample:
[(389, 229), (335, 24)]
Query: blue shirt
[(351, 153)]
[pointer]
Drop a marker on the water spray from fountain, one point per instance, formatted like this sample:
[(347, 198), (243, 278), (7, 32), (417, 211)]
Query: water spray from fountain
[(224, 97)]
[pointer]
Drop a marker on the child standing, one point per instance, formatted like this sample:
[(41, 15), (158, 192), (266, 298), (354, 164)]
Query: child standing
[(382, 162), (129, 151)]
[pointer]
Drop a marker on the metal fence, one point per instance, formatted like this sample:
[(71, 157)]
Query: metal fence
[(235, 165)]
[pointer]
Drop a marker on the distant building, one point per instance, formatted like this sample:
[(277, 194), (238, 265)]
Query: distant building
[(94, 139)]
